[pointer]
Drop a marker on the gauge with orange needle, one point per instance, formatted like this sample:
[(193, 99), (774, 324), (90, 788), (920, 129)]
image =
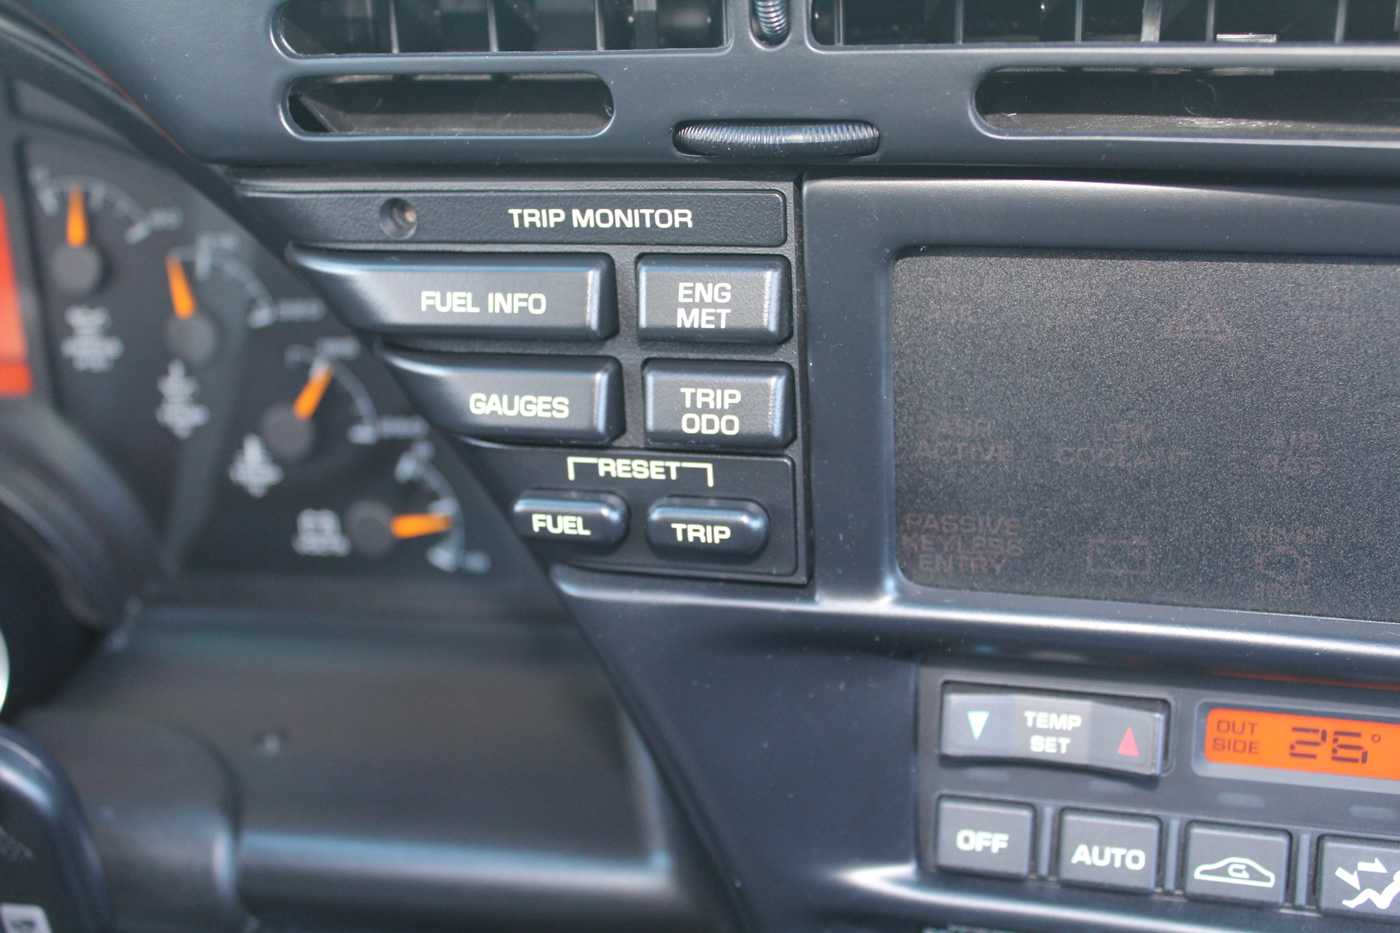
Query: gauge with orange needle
[(96, 218), (328, 396), (206, 287), (425, 511)]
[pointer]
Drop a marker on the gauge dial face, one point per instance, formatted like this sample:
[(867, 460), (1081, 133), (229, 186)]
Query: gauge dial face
[(260, 434), (101, 248), (328, 470)]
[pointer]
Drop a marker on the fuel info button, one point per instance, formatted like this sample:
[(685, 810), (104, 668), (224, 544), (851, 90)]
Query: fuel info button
[(1076, 730), (554, 297)]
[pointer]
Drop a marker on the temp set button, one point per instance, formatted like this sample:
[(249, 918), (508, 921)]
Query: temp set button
[(1123, 735)]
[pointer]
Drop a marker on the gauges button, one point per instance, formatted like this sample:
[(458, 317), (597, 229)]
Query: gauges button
[(1228, 863), (699, 299), (558, 296), (562, 400), (728, 406), (985, 838), (598, 519), (720, 528)]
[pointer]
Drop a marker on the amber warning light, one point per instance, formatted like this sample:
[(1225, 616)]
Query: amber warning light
[(15, 377), (1343, 747)]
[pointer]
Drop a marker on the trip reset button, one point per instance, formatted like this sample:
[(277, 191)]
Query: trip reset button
[(1048, 728)]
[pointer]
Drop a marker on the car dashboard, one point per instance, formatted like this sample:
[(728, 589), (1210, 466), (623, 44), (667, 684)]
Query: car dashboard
[(699, 465)]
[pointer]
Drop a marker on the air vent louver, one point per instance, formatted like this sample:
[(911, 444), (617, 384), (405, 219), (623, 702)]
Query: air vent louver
[(952, 22), (383, 27)]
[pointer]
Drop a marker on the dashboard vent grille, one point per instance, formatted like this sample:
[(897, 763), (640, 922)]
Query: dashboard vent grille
[(954, 22), (386, 27)]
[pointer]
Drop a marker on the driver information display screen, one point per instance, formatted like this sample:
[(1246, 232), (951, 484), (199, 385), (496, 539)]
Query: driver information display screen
[(1165, 428)]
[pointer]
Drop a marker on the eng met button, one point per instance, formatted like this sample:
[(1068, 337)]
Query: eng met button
[(558, 296), (540, 399), (699, 299)]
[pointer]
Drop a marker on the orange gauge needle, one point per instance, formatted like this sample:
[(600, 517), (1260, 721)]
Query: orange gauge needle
[(418, 526), (309, 398), (77, 233), (181, 295)]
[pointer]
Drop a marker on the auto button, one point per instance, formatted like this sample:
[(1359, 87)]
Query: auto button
[(1109, 851)]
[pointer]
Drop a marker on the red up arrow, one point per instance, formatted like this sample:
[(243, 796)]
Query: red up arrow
[(1129, 745)]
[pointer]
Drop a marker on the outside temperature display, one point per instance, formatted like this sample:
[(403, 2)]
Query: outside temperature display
[(1342, 747)]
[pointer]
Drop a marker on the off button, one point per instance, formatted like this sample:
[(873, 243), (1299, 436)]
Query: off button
[(985, 838)]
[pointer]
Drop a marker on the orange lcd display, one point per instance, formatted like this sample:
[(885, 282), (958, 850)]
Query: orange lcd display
[(1346, 747)]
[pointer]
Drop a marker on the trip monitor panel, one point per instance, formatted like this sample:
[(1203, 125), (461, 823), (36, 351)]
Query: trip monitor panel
[(1168, 428)]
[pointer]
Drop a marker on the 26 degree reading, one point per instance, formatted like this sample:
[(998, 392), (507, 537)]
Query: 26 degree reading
[(1344, 747)]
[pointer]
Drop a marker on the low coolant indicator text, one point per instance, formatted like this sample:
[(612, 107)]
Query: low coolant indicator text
[(1343, 747)]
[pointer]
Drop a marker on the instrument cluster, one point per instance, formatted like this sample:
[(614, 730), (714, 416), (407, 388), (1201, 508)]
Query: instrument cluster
[(259, 434)]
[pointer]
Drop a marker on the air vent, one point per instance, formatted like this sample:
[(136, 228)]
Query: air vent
[(1231, 103), (456, 105), (387, 27), (954, 22)]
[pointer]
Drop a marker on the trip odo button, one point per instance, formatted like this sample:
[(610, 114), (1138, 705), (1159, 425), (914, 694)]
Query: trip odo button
[(698, 299), (540, 399), (728, 406)]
